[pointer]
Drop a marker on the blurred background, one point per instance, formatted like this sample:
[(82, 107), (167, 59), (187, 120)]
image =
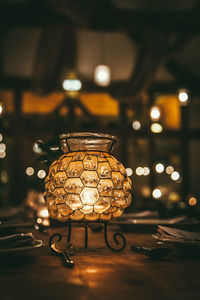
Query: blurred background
[(125, 67)]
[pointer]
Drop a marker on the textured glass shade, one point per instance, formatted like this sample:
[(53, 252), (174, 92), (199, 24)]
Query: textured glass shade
[(87, 185)]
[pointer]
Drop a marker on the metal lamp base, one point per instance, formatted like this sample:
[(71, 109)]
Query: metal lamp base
[(118, 238)]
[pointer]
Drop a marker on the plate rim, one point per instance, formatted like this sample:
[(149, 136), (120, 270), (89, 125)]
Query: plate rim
[(37, 244)]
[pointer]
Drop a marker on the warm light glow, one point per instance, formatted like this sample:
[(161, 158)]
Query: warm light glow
[(155, 113), (72, 85), (192, 201), (146, 171), (2, 147), (174, 197), (41, 174), (89, 196), (169, 170), (102, 75), (1, 108), (183, 97), (29, 171), (139, 171), (1, 137), (156, 193), (129, 171), (136, 125), (175, 175), (156, 128), (159, 168), (39, 220)]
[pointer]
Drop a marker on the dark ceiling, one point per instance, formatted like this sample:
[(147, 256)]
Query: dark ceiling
[(149, 45)]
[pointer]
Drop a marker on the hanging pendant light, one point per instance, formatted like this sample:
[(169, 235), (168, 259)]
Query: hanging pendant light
[(102, 75)]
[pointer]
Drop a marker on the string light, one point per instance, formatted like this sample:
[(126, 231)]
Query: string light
[(146, 171), (169, 170), (156, 193), (2, 154), (72, 85), (102, 75), (29, 171), (2, 147), (36, 148), (139, 171), (1, 137), (136, 125), (175, 175), (156, 128), (41, 174), (159, 168), (129, 171), (155, 113), (183, 97)]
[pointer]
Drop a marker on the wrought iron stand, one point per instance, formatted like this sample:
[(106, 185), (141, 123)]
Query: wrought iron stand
[(117, 237)]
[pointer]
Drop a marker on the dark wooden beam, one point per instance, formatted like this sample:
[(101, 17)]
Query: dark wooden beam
[(102, 16), (56, 55)]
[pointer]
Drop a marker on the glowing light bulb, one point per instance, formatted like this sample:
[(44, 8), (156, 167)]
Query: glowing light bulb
[(72, 85), (183, 97), (146, 171), (29, 171), (102, 75), (169, 170), (136, 125), (156, 193), (175, 175), (129, 171), (192, 201), (159, 168), (139, 171), (155, 113), (41, 174), (156, 128)]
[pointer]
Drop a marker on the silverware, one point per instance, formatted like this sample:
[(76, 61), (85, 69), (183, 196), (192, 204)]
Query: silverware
[(65, 254), (153, 253)]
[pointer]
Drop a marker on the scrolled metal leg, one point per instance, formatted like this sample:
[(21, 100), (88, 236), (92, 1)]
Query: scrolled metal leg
[(86, 235), (116, 237), (52, 237)]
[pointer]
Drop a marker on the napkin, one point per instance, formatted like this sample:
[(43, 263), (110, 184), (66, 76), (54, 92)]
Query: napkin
[(17, 240), (177, 234)]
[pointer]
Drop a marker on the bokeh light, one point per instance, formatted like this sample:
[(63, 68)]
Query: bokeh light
[(139, 171), (156, 128), (41, 174), (146, 171), (156, 193), (155, 113), (136, 125), (192, 201), (102, 75), (159, 168), (29, 171), (129, 171), (175, 175), (72, 85), (169, 170)]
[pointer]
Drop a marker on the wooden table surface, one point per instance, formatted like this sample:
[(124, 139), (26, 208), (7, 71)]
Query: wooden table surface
[(98, 273)]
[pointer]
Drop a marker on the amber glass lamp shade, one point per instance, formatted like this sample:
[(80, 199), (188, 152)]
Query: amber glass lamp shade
[(87, 182)]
